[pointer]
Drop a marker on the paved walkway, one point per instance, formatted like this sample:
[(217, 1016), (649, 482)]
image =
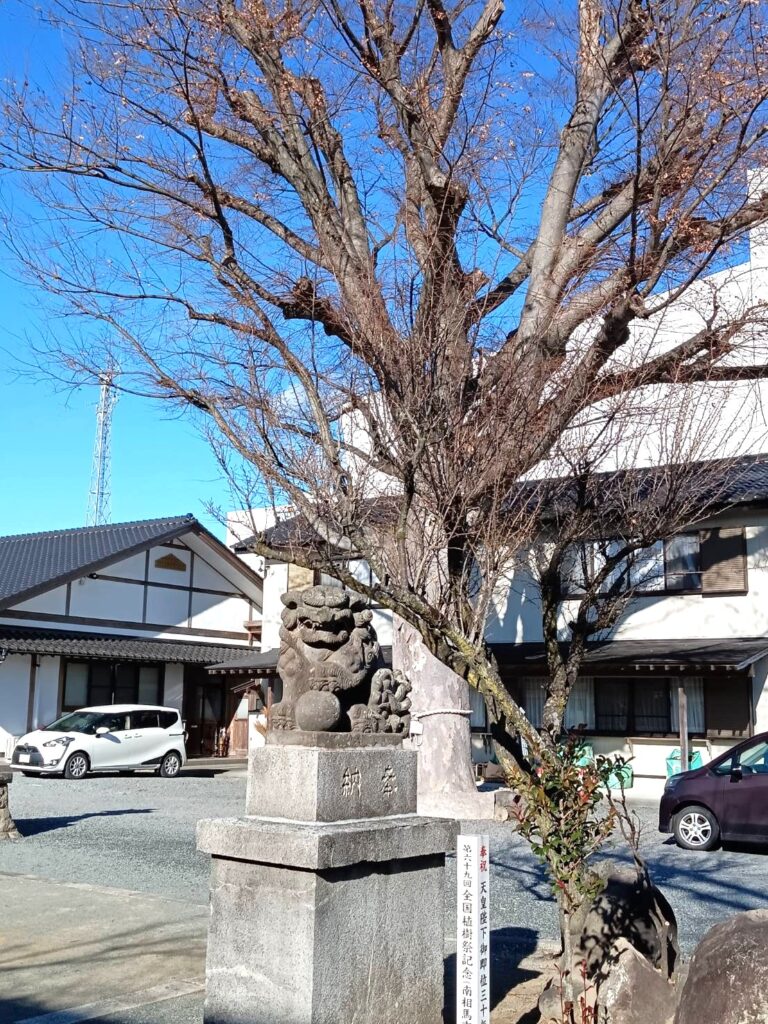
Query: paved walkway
[(75, 952)]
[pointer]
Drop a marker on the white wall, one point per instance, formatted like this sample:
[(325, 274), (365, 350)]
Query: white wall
[(106, 599), (46, 705), (213, 612), (515, 614), (275, 585), (54, 602), (129, 568), (227, 609), (14, 698), (760, 694)]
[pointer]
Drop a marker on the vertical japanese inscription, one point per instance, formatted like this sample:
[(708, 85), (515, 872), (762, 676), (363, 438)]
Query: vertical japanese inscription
[(473, 931), (389, 781), (351, 781)]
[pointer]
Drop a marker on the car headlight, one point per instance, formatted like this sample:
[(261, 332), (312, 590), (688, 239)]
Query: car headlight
[(60, 741), (673, 783)]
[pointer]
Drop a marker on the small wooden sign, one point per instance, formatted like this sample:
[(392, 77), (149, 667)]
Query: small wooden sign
[(473, 934), (171, 562)]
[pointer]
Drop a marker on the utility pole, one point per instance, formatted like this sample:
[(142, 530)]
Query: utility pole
[(99, 498)]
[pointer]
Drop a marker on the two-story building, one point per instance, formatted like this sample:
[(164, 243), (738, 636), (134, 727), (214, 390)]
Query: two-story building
[(699, 627), (130, 612)]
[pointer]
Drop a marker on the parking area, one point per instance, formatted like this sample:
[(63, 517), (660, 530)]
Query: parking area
[(104, 903)]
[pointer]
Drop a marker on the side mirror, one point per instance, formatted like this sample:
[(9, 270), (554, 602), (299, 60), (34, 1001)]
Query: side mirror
[(102, 730), (736, 775)]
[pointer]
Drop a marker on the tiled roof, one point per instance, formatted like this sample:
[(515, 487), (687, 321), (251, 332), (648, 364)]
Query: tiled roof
[(264, 663), (732, 652), (31, 563), (743, 482), (110, 647)]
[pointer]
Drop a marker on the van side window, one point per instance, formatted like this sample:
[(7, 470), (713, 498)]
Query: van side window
[(144, 719), (168, 718)]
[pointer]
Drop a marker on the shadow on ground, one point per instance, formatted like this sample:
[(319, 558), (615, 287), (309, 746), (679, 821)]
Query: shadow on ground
[(36, 826), (509, 946), (186, 1009)]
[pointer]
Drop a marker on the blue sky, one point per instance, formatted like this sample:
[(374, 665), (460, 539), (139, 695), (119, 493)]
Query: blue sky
[(160, 465)]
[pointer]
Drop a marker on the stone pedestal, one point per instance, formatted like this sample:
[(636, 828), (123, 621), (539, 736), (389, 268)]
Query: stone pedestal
[(8, 829), (327, 900)]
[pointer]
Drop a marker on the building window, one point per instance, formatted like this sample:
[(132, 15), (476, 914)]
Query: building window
[(622, 706), (709, 562), (91, 683), (478, 720)]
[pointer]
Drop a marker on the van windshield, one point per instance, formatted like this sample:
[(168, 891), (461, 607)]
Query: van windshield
[(76, 721)]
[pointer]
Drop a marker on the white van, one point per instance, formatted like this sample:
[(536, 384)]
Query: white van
[(114, 737)]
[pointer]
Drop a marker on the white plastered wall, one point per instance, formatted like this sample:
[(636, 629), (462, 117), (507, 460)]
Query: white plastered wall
[(14, 699), (275, 585), (46, 703), (516, 616), (760, 695)]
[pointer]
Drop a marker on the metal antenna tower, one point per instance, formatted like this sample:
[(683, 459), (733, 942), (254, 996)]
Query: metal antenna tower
[(99, 498)]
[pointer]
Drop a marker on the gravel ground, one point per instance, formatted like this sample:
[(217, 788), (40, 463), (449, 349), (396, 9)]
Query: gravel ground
[(137, 832), (129, 832)]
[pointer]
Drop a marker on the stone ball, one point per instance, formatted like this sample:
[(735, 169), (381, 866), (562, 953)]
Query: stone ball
[(317, 711)]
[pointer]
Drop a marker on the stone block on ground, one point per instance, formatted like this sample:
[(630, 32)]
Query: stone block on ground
[(327, 898), (358, 941), (8, 828), (727, 980), (347, 780), (631, 991)]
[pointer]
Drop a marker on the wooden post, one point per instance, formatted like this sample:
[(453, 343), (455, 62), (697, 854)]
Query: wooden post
[(682, 704)]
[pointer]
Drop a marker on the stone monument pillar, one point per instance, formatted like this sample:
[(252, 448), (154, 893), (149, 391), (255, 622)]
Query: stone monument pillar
[(8, 828), (327, 897)]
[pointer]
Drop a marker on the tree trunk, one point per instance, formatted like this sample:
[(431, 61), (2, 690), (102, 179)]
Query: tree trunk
[(440, 704)]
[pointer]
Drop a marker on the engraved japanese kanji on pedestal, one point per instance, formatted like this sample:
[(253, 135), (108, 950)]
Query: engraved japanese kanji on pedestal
[(313, 891)]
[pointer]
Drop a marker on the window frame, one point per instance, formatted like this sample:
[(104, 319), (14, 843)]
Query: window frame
[(575, 592), (113, 667), (632, 715)]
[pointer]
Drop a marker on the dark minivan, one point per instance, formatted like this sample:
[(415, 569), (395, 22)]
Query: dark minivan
[(726, 799)]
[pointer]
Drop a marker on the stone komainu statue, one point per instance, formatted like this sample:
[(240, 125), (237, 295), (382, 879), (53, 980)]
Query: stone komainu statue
[(327, 662)]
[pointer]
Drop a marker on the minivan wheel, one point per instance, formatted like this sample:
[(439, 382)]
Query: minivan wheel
[(76, 766), (170, 766), (696, 828)]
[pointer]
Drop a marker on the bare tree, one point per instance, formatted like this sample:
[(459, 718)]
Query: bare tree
[(453, 228)]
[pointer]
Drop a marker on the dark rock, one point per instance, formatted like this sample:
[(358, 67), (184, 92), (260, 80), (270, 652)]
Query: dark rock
[(633, 992), (728, 978), (630, 908), (8, 828), (550, 1002)]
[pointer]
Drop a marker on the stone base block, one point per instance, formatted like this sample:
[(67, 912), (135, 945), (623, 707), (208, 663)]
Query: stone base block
[(342, 943), (301, 783)]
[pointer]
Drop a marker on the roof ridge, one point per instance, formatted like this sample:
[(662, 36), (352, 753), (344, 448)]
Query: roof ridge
[(101, 528)]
